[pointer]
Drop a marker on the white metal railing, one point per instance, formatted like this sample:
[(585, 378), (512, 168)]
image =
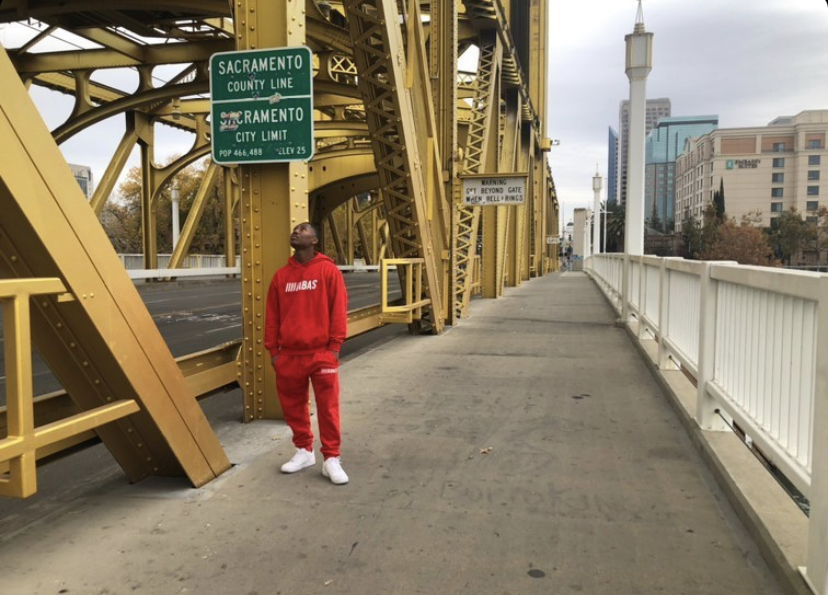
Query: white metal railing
[(755, 343), (133, 262)]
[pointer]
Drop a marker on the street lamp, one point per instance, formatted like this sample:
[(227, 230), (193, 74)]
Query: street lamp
[(176, 228), (597, 184)]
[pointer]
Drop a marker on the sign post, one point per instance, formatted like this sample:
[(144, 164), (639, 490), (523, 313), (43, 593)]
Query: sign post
[(261, 106), (494, 189)]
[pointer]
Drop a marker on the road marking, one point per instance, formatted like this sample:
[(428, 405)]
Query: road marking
[(224, 328)]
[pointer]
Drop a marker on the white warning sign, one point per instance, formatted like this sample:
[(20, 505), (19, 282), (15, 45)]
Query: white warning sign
[(494, 190)]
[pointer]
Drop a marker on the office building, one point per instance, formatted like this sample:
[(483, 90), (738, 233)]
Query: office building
[(612, 166), (656, 109), (663, 145), (765, 170), (83, 175)]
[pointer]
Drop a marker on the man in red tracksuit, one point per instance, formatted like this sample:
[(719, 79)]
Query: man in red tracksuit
[(305, 326)]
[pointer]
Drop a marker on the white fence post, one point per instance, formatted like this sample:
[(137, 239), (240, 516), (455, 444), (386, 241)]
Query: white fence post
[(642, 296), (706, 415), (663, 313), (816, 571), (626, 271)]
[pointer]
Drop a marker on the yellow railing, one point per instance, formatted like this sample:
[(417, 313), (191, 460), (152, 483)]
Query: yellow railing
[(18, 450), (413, 301), (476, 276)]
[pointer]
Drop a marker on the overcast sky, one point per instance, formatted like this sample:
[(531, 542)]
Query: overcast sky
[(747, 61)]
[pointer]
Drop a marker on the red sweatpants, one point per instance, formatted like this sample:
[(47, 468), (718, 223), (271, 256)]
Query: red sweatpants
[(294, 373)]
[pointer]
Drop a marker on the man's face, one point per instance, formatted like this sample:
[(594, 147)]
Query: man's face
[(303, 236)]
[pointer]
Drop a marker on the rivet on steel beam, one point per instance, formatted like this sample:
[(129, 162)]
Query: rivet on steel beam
[(155, 469), (260, 392), (13, 258), (259, 354), (149, 459), (260, 400), (97, 381), (72, 345), (109, 399), (129, 430), (248, 407), (59, 325), (140, 445), (45, 304), (85, 364)]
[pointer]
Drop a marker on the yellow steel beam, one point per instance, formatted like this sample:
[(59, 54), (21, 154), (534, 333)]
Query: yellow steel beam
[(128, 102), (116, 165), (94, 59), (378, 51), (510, 149), (477, 148), (274, 198), (103, 345), (231, 195), (208, 183)]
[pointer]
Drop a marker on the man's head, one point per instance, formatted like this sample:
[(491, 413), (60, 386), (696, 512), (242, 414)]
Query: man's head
[(304, 236)]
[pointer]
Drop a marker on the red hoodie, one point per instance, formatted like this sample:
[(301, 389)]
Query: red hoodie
[(307, 308)]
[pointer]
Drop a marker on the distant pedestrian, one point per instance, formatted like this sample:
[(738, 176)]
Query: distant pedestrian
[(305, 326)]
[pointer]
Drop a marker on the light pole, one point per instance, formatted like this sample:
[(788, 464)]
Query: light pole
[(597, 183), (175, 226), (639, 63)]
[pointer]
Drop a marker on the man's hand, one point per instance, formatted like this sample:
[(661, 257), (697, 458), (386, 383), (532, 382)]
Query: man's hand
[(273, 361)]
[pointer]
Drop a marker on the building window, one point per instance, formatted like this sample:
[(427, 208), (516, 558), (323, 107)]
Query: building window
[(813, 175), (778, 147), (774, 222), (812, 205), (812, 220), (813, 190), (813, 159), (776, 192), (815, 144), (777, 178), (779, 162), (776, 207)]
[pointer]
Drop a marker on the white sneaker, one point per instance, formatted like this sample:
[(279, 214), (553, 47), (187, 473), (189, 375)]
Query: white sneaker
[(303, 458), (332, 469)]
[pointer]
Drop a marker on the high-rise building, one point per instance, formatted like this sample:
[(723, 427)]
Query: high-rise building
[(764, 170), (656, 109), (612, 166), (83, 175), (664, 144)]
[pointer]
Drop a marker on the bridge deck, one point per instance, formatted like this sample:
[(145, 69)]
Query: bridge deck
[(527, 451)]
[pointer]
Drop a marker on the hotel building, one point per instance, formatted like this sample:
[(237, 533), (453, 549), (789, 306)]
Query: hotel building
[(766, 170)]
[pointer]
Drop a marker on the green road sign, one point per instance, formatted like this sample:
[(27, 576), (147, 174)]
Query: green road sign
[(261, 106)]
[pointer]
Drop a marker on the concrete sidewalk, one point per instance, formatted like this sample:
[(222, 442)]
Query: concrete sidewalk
[(527, 451)]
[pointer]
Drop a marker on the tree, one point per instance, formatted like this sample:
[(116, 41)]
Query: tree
[(698, 236), (121, 217), (789, 235), (719, 201), (616, 220), (744, 243), (819, 233)]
